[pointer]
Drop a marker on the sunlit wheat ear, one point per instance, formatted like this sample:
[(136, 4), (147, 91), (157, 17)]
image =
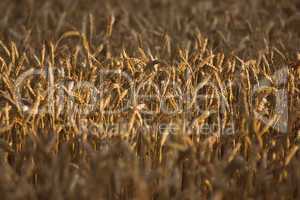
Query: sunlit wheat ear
[(109, 25), (291, 153), (5, 48)]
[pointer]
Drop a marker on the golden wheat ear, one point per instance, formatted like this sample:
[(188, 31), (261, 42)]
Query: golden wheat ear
[(295, 65)]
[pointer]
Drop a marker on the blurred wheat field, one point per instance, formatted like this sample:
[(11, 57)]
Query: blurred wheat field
[(150, 99)]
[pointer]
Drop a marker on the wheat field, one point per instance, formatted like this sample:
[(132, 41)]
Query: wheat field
[(149, 99)]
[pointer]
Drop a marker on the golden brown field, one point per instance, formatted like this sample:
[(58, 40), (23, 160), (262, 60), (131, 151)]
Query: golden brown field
[(149, 99)]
